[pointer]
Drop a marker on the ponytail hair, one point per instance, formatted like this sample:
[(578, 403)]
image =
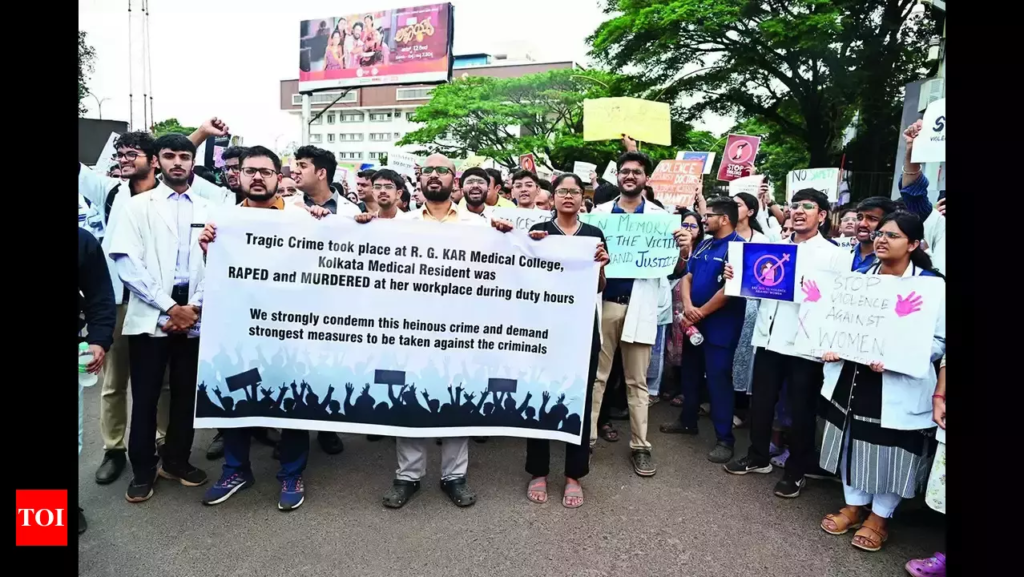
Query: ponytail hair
[(752, 207), (911, 225)]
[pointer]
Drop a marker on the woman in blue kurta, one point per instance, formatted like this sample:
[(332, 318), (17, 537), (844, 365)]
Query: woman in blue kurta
[(881, 454)]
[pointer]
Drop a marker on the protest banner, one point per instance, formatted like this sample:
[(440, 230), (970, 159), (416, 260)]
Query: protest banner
[(403, 163), (583, 170), (747, 184), (521, 218), (396, 46), (930, 144), (740, 152), (528, 162), (473, 162), (310, 305), (677, 182), (706, 158), (639, 245), (868, 318), (642, 120), (763, 270), (825, 180)]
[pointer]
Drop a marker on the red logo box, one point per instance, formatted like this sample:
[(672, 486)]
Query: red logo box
[(42, 518)]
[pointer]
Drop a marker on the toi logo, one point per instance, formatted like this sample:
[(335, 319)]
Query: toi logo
[(42, 517)]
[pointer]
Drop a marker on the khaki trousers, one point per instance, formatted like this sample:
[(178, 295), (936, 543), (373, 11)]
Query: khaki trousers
[(635, 359), (114, 393)]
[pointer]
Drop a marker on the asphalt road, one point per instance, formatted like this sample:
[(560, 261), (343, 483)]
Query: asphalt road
[(691, 519)]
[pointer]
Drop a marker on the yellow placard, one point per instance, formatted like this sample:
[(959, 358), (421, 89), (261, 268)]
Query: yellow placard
[(642, 120)]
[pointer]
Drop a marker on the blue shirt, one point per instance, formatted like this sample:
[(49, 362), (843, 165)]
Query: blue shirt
[(861, 264), (915, 197), (707, 267), (620, 287)]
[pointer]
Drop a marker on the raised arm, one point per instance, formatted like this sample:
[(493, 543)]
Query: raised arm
[(524, 404)]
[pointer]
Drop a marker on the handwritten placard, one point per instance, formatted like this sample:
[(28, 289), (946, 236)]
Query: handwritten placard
[(708, 158), (521, 218), (867, 318), (677, 182), (639, 245), (643, 120), (825, 180), (583, 170), (747, 184), (763, 270)]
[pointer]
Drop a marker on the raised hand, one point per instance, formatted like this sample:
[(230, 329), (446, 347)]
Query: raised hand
[(366, 389), (349, 388), (283, 389), (202, 387), (412, 389), (560, 399), (910, 134), (811, 292), (215, 127), (216, 391), (469, 397), (426, 395), (546, 396), (330, 388), (909, 305)]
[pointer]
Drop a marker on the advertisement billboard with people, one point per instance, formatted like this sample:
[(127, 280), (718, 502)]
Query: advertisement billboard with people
[(399, 46)]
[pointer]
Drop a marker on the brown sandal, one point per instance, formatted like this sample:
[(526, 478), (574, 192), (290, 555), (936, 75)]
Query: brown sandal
[(874, 537), (843, 521)]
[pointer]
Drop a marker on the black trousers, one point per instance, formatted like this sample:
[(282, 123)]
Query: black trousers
[(577, 457), (148, 358), (805, 380)]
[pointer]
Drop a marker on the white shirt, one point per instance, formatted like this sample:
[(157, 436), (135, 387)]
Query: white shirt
[(455, 216)]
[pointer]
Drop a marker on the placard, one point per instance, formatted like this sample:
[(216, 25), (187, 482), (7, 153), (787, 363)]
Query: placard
[(528, 162), (747, 184), (707, 158), (930, 144), (642, 120), (639, 245), (677, 182), (825, 180), (740, 153), (521, 218), (583, 170), (403, 163), (763, 271)]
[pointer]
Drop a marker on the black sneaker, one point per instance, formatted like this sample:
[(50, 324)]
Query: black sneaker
[(186, 475), (643, 464), (721, 453), (111, 467), (82, 524), (745, 465), (216, 449), (139, 491), (789, 489), (330, 442)]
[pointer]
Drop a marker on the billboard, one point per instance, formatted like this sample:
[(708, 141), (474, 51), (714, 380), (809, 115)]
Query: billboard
[(399, 46)]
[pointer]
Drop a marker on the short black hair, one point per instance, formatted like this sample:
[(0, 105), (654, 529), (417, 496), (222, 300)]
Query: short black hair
[(565, 175), (138, 140), (848, 207), (726, 206), (640, 157), (260, 152), (883, 203), (113, 167), (174, 142), (813, 195), (320, 158), (357, 23), (367, 174), (233, 152), (205, 173), (522, 173), (386, 174), (406, 197), (605, 193), (544, 183), (474, 171), (495, 176)]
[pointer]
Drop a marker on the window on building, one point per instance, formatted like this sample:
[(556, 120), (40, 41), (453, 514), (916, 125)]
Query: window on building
[(409, 115), (380, 136), (314, 138), (319, 120), (352, 117), (330, 137), (380, 117), (398, 135), (325, 98), (330, 118), (350, 155), (413, 93), (375, 155)]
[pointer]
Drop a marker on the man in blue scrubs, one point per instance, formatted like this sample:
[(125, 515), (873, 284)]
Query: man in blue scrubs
[(720, 320), (869, 212)]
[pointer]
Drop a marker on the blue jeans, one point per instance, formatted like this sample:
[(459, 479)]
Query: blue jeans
[(294, 449), (716, 362), (657, 364)]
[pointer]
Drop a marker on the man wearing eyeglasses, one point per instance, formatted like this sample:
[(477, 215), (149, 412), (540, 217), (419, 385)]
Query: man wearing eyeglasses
[(475, 187), (776, 361)]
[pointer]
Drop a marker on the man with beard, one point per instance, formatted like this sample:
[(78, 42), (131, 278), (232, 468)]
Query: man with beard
[(629, 319), (525, 185), (869, 213), (156, 250), (437, 177), (776, 361), (259, 177), (136, 158), (364, 189), (475, 184), (313, 174), (216, 127)]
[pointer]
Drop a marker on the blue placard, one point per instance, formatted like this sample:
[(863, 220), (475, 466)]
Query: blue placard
[(769, 271)]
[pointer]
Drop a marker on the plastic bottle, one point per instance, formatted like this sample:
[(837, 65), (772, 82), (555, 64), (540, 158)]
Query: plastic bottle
[(85, 378), (695, 337)]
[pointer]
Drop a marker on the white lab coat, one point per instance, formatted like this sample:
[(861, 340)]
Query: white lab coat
[(147, 230), (641, 323)]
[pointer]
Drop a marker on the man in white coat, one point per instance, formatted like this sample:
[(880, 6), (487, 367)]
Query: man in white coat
[(629, 318), (155, 246)]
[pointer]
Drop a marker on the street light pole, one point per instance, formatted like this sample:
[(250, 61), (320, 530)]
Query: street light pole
[(99, 104)]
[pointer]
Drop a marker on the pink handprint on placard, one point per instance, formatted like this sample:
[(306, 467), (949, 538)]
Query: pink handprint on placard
[(811, 292), (906, 306)]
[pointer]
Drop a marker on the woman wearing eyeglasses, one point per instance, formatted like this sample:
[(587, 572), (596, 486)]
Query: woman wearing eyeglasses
[(879, 452), (567, 200), (693, 230)]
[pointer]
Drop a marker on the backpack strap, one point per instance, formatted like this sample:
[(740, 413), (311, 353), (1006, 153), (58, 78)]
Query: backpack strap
[(109, 203)]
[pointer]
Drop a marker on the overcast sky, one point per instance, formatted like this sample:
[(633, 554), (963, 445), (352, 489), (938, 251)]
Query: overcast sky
[(227, 57)]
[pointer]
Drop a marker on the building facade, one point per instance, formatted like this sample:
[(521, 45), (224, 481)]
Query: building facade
[(368, 121)]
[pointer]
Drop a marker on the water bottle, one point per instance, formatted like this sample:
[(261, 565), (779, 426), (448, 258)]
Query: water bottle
[(85, 378), (695, 337)]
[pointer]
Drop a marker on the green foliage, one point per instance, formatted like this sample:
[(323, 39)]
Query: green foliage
[(170, 126), (86, 62), (801, 68), (542, 114)]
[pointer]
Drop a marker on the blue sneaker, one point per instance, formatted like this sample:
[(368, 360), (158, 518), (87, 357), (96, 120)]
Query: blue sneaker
[(226, 486), (293, 493)]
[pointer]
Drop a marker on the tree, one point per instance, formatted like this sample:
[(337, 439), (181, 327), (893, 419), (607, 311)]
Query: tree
[(799, 67), (538, 113), (86, 66), (170, 126)]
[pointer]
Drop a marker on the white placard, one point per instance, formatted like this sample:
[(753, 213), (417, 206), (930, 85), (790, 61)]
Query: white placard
[(521, 218), (583, 170), (930, 144), (106, 158), (610, 173), (403, 163), (825, 180), (747, 184)]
